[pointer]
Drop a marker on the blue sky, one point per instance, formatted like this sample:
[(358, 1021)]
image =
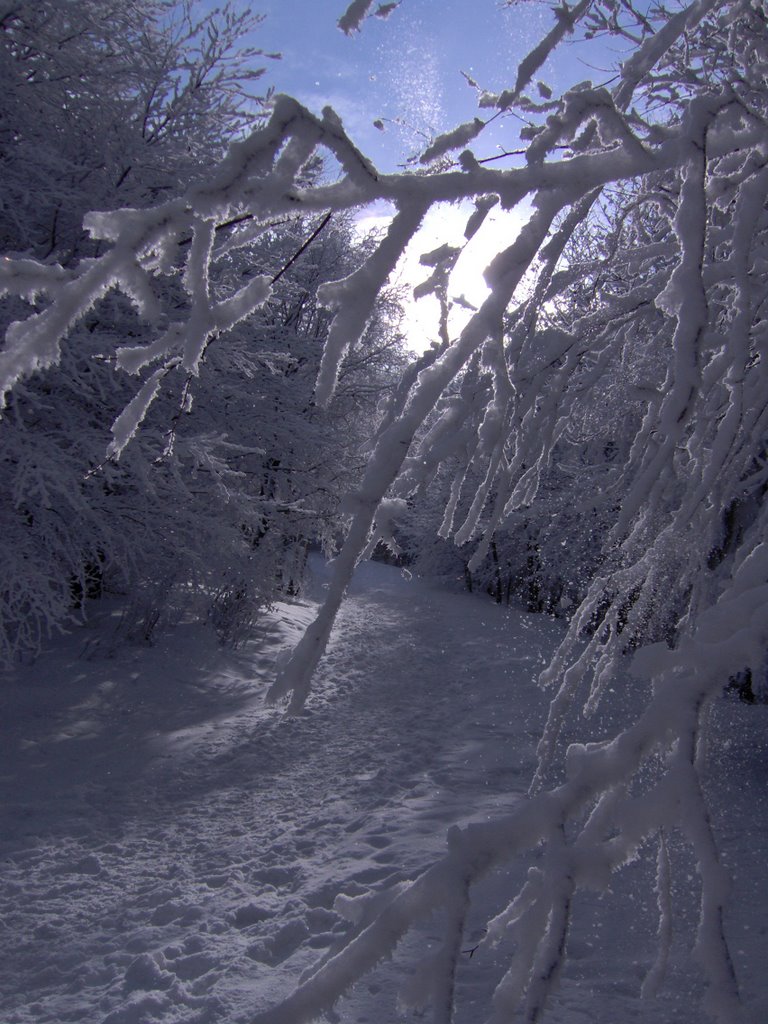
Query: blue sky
[(405, 70)]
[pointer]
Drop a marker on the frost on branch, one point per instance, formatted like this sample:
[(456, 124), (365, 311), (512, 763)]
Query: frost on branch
[(131, 418)]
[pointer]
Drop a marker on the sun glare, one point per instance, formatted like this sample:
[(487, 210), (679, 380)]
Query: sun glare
[(445, 224)]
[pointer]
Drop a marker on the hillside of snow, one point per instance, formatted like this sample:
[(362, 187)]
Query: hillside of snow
[(172, 849)]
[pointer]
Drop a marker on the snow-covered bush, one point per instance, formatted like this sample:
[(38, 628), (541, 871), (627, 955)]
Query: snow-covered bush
[(666, 331)]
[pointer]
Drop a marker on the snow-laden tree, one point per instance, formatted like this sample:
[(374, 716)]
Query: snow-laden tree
[(232, 477), (662, 323), (119, 104), (106, 104), (293, 462)]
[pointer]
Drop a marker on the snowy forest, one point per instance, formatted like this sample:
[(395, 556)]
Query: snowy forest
[(209, 390)]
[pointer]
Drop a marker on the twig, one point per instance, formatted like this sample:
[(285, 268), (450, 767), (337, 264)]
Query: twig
[(303, 247)]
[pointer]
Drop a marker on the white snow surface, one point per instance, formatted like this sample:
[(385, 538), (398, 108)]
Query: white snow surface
[(171, 848)]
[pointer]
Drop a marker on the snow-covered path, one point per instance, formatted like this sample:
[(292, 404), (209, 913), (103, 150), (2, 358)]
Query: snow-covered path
[(172, 849)]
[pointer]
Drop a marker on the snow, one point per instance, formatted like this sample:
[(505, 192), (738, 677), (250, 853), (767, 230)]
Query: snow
[(175, 851), (460, 136), (131, 418), (352, 18)]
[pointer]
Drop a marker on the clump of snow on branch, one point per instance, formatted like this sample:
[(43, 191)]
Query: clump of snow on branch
[(454, 139), (354, 15)]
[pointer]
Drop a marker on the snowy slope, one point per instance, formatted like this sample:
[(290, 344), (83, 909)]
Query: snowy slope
[(172, 849)]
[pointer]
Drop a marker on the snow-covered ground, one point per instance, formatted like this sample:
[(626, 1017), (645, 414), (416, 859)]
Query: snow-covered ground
[(171, 849)]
